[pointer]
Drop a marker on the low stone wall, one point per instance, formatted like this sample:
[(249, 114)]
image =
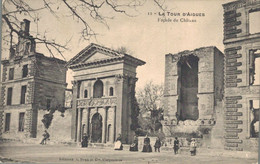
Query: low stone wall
[(60, 128)]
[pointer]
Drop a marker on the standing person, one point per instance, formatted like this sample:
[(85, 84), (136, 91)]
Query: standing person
[(176, 145), (157, 144), (118, 144), (134, 146), (193, 147), (46, 136), (84, 142), (147, 147)]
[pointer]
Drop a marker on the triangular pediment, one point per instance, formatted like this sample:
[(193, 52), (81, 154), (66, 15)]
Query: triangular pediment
[(95, 56), (93, 53)]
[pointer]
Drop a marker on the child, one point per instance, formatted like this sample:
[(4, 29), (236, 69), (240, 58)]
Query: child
[(193, 147)]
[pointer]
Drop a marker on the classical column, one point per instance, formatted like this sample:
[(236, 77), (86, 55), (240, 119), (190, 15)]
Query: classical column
[(104, 126), (79, 125), (114, 124), (87, 121)]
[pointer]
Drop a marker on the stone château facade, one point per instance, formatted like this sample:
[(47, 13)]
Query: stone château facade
[(103, 94), (242, 74), (30, 82)]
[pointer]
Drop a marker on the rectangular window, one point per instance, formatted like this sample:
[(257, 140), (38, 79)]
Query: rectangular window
[(254, 22), (21, 122), (25, 70), (9, 96), (254, 67), (11, 74), (48, 105), (7, 121), (23, 93)]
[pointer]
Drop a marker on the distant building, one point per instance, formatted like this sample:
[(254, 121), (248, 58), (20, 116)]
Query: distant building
[(30, 82), (242, 74), (103, 94)]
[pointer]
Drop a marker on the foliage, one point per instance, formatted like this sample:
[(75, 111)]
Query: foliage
[(47, 118), (150, 102)]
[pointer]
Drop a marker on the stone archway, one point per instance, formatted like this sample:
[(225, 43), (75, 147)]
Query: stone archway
[(96, 127)]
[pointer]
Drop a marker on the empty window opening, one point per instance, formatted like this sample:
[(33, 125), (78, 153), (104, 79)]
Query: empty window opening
[(98, 89), (254, 67), (86, 93), (254, 22), (48, 103), (111, 91), (188, 104), (254, 118), (23, 94), (11, 74), (27, 48), (9, 96), (21, 122), (7, 121), (25, 70)]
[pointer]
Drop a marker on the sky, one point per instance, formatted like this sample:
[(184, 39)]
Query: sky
[(144, 34)]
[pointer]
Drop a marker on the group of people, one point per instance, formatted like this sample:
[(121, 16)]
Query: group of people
[(147, 146), (134, 146)]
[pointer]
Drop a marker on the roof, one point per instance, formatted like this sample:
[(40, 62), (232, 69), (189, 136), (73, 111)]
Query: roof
[(112, 55)]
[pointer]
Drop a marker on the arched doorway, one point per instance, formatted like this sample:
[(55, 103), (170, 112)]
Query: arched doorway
[(98, 89), (96, 123)]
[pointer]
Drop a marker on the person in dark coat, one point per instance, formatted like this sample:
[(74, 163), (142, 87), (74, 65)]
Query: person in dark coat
[(46, 136), (134, 146), (84, 142), (118, 144), (147, 147), (157, 144), (176, 145)]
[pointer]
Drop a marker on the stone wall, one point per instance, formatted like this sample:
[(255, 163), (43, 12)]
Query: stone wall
[(238, 42), (60, 128)]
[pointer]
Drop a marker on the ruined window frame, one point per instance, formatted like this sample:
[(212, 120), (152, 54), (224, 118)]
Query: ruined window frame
[(48, 103), (11, 74), (25, 71), (249, 117), (252, 64)]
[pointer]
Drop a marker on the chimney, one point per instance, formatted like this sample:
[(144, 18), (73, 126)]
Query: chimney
[(25, 26)]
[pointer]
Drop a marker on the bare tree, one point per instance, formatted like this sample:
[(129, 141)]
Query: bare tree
[(80, 11), (150, 102)]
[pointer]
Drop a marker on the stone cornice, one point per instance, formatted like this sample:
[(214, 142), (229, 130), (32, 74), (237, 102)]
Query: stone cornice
[(239, 4), (77, 61)]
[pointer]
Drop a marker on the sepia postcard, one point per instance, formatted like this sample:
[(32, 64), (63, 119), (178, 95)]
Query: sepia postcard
[(130, 81)]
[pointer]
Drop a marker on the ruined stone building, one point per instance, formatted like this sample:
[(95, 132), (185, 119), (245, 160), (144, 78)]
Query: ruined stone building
[(215, 97), (103, 94), (30, 82), (193, 94), (242, 74)]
